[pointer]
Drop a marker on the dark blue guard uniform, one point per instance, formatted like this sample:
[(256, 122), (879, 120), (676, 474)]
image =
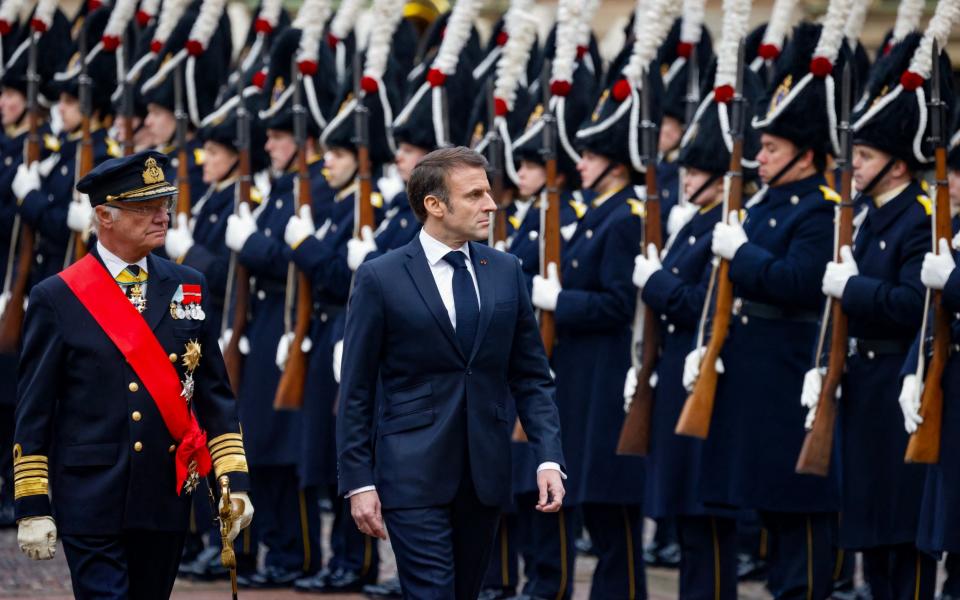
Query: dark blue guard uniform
[(97, 435)]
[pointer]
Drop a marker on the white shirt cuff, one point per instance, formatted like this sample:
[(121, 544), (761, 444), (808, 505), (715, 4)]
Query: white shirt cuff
[(551, 466), (366, 488)]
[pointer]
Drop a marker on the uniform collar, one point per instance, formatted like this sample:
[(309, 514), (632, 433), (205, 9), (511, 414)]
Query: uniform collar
[(115, 265), (343, 193), (435, 250), (599, 200), (882, 217), (889, 195), (799, 188)]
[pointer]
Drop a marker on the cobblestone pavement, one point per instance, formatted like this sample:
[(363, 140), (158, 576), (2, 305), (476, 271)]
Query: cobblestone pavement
[(50, 580)]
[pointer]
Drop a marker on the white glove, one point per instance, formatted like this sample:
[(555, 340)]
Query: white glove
[(37, 537), (239, 228), (389, 187), (179, 239), (567, 231), (937, 267), (810, 395), (26, 180), (47, 164), (680, 214), (357, 250), (283, 350), (956, 241), (80, 214), (838, 273), (691, 367), (910, 402), (645, 266), (728, 237), (629, 389), (337, 360), (245, 517), (224, 339), (299, 227), (56, 120), (547, 289)]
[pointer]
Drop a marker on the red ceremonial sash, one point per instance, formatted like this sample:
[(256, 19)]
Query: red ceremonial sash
[(97, 291)]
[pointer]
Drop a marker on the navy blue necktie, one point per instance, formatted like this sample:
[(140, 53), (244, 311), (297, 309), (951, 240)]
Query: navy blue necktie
[(464, 301)]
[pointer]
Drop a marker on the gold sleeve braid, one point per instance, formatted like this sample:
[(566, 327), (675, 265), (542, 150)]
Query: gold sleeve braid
[(30, 474), (226, 452)]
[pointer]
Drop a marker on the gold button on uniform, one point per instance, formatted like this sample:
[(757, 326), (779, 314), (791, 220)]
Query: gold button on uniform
[(133, 386), (136, 416), (173, 357), (138, 446)]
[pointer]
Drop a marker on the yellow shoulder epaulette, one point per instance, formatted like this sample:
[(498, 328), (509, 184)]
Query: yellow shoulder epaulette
[(637, 207), (114, 150), (578, 207), (924, 186), (376, 199), (198, 156), (830, 194), (51, 142), (926, 203), (514, 221), (256, 196)]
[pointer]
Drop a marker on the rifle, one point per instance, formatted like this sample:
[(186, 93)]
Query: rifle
[(635, 434), (698, 409), (85, 155), (183, 167), (11, 323), (289, 395), (924, 444), (126, 99), (363, 217), (232, 357), (817, 446), (498, 228), (230, 510)]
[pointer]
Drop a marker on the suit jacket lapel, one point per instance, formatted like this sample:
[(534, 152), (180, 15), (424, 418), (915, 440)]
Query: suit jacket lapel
[(485, 281), (160, 288), (423, 278)]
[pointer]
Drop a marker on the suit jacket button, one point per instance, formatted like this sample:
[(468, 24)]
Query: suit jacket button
[(136, 416), (173, 357), (172, 448), (137, 446), (133, 386)]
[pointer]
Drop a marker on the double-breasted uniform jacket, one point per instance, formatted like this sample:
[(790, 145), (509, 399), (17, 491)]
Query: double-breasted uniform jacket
[(523, 240), (324, 258), (884, 305), (592, 353), (45, 209), (273, 437), (87, 424), (939, 524), (676, 293), (757, 429)]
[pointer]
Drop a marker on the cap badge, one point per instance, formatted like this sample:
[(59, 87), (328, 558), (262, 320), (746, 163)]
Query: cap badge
[(781, 92), (152, 173)]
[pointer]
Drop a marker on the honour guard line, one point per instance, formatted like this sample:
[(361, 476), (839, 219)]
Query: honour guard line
[(736, 247)]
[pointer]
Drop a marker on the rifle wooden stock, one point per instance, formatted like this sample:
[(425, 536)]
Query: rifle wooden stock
[(289, 394), (635, 434), (128, 147), (924, 444), (11, 323), (817, 446), (551, 250), (84, 165), (232, 357), (183, 181), (365, 216), (698, 409)]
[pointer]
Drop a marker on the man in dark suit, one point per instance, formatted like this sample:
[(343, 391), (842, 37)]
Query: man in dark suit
[(444, 327), (123, 400)]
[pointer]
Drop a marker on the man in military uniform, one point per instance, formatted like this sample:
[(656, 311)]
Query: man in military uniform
[(123, 447)]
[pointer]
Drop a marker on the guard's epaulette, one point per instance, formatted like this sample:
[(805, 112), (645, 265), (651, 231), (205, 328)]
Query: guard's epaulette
[(198, 156), (256, 196), (830, 194), (114, 149), (514, 221), (580, 208), (926, 203), (376, 199), (637, 207), (924, 186), (51, 142)]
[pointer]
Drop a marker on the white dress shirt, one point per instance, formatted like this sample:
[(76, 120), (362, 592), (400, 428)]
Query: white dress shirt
[(115, 265), (434, 250)]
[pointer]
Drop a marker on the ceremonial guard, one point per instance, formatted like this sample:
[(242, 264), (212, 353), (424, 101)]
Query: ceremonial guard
[(122, 449), (50, 30), (776, 261), (676, 288), (878, 285), (593, 301)]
